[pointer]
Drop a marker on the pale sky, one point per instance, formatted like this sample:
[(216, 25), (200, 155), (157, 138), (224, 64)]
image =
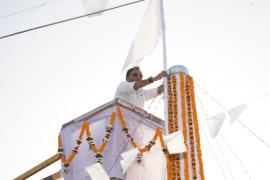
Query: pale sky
[(53, 75)]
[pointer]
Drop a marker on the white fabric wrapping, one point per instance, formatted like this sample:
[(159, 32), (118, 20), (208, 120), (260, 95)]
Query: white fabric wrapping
[(118, 143), (92, 6), (236, 112), (147, 36), (175, 142), (128, 158), (96, 172), (215, 123)]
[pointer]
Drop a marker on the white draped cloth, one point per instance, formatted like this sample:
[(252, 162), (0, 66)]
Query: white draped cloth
[(143, 130)]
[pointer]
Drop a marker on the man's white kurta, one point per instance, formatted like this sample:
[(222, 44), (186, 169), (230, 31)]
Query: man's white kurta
[(126, 92)]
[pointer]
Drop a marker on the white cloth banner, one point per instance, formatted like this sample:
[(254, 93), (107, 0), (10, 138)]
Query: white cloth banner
[(147, 36), (236, 112), (92, 6), (175, 142), (96, 172), (215, 123), (128, 158)]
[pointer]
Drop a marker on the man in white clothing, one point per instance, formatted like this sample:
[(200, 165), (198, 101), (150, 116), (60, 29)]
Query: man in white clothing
[(132, 90)]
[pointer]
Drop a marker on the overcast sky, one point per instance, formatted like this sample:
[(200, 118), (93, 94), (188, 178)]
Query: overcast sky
[(53, 75)]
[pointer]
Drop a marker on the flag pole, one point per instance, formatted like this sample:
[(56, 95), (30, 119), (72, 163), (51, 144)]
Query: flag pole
[(164, 50), (163, 30), (165, 93)]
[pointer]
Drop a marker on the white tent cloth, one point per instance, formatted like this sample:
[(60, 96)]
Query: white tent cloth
[(118, 143)]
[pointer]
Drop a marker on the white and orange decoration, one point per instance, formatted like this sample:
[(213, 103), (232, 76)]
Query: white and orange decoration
[(182, 115), (99, 150)]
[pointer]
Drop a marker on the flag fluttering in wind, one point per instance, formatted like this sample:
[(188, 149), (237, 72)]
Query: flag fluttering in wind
[(147, 36), (236, 112), (92, 6), (215, 123)]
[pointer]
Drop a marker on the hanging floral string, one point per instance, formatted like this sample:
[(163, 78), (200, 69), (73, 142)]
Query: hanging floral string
[(173, 168), (176, 122), (90, 140), (184, 124), (170, 159), (98, 151), (196, 127), (92, 146), (131, 139), (191, 129)]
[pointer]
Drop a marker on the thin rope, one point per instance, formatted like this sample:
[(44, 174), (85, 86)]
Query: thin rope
[(253, 133), (230, 148), (213, 152), (209, 95), (241, 123), (202, 106), (70, 19), (115, 161), (259, 98), (224, 159), (236, 156), (157, 105), (28, 9)]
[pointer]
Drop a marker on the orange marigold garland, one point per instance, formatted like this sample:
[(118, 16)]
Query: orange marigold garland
[(170, 107), (175, 112), (170, 158), (90, 140), (184, 124), (99, 151), (191, 130), (196, 126), (131, 140)]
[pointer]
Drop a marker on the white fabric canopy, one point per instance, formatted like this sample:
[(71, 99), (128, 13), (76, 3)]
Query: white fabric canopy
[(118, 143)]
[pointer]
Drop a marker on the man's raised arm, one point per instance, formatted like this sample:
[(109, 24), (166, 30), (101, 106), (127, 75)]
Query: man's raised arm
[(142, 83)]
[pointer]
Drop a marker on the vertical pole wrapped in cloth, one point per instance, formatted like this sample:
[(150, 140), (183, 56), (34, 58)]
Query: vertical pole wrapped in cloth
[(182, 115)]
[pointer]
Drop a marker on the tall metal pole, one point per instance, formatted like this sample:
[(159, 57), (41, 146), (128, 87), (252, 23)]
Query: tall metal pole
[(165, 94), (164, 48)]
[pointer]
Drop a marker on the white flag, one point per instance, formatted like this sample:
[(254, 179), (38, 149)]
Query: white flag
[(128, 158), (236, 112), (147, 36), (96, 172), (92, 6), (175, 142), (214, 124)]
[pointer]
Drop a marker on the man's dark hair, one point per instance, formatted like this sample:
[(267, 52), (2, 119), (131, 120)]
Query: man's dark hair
[(130, 71)]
